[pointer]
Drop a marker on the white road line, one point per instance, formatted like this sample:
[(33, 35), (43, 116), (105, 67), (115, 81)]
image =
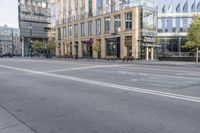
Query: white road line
[(155, 84), (160, 69), (82, 68), (120, 87), (155, 74)]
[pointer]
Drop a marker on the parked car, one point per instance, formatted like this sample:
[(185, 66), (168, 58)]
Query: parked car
[(6, 55)]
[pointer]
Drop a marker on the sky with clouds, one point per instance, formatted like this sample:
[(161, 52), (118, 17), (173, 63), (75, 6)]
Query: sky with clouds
[(9, 11)]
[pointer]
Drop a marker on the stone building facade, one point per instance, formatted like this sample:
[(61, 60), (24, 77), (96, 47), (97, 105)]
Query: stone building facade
[(121, 27)]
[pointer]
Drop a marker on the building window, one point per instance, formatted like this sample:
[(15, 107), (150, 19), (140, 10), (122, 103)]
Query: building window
[(64, 12), (108, 6), (90, 9), (98, 26), (59, 34), (70, 11), (70, 31), (82, 29), (83, 10), (128, 21), (76, 10), (117, 22), (107, 25), (64, 33), (99, 7), (126, 3), (59, 13), (90, 28), (76, 30)]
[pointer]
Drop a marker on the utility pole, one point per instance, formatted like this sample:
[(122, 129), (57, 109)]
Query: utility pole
[(31, 39), (12, 44), (22, 46), (179, 47), (197, 56), (114, 45)]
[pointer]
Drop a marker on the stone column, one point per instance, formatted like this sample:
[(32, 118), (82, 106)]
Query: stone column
[(80, 49), (123, 50), (122, 15), (112, 24), (136, 32), (22, 46), (86, 8), (103, 47), (147, 53), (152, 53), (104, 6)]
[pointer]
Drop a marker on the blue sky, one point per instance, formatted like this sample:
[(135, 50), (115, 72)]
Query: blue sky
[(9, 11)]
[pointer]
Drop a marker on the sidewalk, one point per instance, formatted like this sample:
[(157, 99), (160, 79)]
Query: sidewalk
[(140, 62), (10, 124)]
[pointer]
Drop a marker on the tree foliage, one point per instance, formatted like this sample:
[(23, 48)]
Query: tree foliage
[(51, 45), (37, 46), (193, 36), (97, 46), (157, 40)]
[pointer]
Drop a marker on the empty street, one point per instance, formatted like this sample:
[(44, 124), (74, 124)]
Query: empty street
[(68, 96)]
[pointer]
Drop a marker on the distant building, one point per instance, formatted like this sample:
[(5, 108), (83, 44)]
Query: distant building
[(52, 33), (10, 40), (173, 22), (121, 27), (34, 22)]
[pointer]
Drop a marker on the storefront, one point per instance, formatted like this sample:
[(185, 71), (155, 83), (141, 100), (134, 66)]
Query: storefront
[(113, 47), (148, 47)]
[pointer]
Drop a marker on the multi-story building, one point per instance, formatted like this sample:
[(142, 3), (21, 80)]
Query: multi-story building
[(173, 22), (34, 22), (10, 40), (122, 27), (52, 33)]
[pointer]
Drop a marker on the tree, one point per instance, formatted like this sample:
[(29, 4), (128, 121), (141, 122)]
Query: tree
[(37, 46), (157, 40), (51, 46), (97, 47), (128, 45), (193, 37)]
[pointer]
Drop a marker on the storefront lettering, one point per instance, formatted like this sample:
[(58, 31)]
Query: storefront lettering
[(149, 39)]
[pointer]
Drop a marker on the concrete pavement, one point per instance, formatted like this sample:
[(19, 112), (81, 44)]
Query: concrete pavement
[(47, 96)]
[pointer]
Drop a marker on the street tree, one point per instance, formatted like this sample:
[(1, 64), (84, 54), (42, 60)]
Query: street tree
[(193, 37), (157, 40), (37, 46), (51, 46), (97, 47)]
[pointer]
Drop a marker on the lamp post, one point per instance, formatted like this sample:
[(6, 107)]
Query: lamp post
[(141, 47), (12, 44), (179, 47), (30, 28), (115, 42)]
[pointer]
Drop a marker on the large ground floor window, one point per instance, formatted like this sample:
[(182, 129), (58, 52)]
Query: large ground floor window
[(87, 50), (173, 46), (113, 47)]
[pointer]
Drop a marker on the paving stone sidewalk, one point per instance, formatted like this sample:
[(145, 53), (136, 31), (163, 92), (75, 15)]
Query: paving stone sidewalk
[(10, 124)]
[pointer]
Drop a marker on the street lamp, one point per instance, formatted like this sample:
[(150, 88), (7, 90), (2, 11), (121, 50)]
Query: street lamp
[(141, 47), (12, 44), (30, 43), (115, 41)]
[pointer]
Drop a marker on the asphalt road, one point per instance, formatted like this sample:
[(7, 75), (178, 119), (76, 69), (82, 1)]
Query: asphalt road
[(52, 96)]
